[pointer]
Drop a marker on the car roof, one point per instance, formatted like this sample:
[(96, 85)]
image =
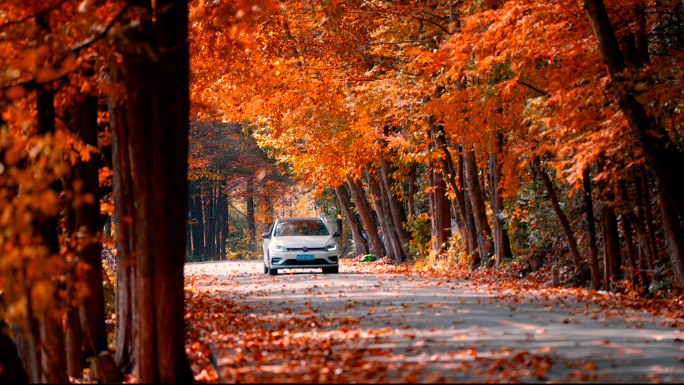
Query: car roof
[(298, 219)]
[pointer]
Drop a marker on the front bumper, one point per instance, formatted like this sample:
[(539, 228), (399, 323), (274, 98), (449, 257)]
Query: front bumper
[(288, 259)]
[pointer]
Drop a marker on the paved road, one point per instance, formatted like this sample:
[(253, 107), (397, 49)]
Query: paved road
[(454, 330)]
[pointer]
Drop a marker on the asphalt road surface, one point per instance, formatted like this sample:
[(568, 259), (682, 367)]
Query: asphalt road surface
[(456, 330)]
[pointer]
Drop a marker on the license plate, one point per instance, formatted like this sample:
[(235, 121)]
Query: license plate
[(305, 257)]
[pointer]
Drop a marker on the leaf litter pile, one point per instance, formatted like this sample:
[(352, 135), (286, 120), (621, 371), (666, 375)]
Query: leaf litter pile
[(237, 324)]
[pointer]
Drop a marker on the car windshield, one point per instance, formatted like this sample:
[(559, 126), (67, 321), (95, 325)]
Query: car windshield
[(303, 227)]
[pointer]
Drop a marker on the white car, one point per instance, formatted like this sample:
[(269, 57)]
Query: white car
[(305, 243)]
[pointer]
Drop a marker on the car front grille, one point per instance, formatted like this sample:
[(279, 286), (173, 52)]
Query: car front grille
[(317, 261), (309, 249)]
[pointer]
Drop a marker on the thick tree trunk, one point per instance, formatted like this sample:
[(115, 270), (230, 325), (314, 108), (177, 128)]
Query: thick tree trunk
[(484, 232), (674, 236), (251, 223), (74, 340), (211, 224), (198, 227), (660, 152), (224, 224), (441, 220), (392, 227), (591, 229), (502, 246), (392, 246), (565, 224), (629, 245), (611, 245), (360, 244), (648, 215), (412, 190), (89, 222), (10, 361), (469, 220), (125, 240), (366, 203), (371, 229), (449, 175), (156, 128), (398, 213)]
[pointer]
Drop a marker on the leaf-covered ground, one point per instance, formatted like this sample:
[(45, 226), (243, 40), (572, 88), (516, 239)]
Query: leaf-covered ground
[(379, 323)]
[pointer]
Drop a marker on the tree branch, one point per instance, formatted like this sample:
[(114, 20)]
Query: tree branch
[(103, 33), (522, 83)]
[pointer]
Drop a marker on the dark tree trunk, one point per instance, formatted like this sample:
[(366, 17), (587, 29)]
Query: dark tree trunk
[(629, 246), (125, 240), (11, 365), (366, 203), (211, 224), (412, 190), (384, 217), (360, 244), (591, 229), (251, 223), (502, 244), (648, 215), (224, 224), (674, 236), (89, 221), (392, 227), (198, 227), (484, 232), (611, 245), (569, 235), (371, 229), (449, 175), (156, 128), (660, 152), (441, 221), (398, 213), (471, 238)]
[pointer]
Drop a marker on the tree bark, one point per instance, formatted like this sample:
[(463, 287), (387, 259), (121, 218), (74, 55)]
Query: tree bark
[(125, 240), (371, 230), (674, 236), (648, 215), (569, 235), (660, 152), (629, 245), (198, 227), (360, 244), (366, 203), (251, 223), (156, 127), (392, 246), (412, 190), (611, 245), (591, 229), (398, 213), (484, 232), (502, 246)]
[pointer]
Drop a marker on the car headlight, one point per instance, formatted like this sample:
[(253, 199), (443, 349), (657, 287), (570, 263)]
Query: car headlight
[(331, 247), (279, 248)]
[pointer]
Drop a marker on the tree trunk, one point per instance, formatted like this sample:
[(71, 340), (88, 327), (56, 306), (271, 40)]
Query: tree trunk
[(591, 229), (74, 338), (484, 232), (648, 215), (660, 152), (611, 245), (398, 213), (412, 190), (198, 227), (674, 237), (449, 174), (569, 235), (384, 217), (251, 223), (371, 230), (366, 203), (157, 143), (502, 244), (224, 224), (360, 244), (10, 361), (629, 245), (211, 224), (125, 240), (89, 222), (392, 227)]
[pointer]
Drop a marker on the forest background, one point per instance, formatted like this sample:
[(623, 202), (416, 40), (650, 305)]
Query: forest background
[(470, 134)]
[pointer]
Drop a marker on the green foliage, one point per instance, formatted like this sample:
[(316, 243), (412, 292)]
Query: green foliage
[(419, 228)]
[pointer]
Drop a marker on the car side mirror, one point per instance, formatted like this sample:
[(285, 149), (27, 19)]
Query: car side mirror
[(266, 235), (337, 234)]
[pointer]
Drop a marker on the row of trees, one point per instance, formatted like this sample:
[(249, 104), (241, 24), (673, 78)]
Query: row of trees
[(94, 101), (474, 112), (235, 190)]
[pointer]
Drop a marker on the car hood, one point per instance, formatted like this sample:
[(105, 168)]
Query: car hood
[(299, 241)]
